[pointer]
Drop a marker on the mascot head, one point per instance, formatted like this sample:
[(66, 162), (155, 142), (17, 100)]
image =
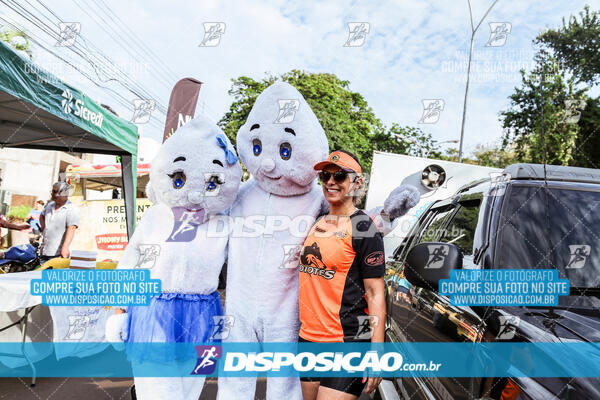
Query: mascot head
[(196, 168), (281, 141)]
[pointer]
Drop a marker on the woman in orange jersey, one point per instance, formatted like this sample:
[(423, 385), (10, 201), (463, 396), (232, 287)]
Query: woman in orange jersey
[(341, 276)]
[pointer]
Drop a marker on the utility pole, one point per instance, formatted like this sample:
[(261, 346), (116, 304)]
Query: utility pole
[(473, 31)]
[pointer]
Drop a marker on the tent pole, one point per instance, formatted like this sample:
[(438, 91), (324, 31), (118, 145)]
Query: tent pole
[(129, 176)]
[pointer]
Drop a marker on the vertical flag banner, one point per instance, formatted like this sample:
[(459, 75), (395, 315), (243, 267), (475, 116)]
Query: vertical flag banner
[(182, 105)]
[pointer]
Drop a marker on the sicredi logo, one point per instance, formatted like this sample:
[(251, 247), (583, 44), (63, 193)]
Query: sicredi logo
[(81, 110), (67, 103)]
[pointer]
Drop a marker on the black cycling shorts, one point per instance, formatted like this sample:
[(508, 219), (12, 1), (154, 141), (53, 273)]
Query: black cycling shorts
[(344, 384)]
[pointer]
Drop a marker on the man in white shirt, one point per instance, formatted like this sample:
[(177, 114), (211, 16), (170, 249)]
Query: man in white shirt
[(58, 222)]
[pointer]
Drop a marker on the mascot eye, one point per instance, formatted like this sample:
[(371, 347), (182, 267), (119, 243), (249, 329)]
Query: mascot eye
[(210, 186), (285, 150), (178, 179), (256, 147), (213, 182)]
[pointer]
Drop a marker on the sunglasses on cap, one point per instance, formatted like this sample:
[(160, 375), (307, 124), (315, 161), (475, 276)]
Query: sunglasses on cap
[(338, 176)]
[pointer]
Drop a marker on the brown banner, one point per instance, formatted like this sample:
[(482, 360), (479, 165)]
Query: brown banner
[(182, 105)]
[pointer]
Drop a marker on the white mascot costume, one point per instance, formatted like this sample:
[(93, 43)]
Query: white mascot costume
[(194, 177), (279, 144)]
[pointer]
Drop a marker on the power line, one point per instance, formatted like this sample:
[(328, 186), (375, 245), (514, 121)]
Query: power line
[(142, 44), (102, 65), (118, 97), (206, 110), (148, 93), (118, 38), (123, 24), (49, 31), (108, 64)]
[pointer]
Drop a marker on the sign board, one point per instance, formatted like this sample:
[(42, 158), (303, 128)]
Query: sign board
[(103, 226)]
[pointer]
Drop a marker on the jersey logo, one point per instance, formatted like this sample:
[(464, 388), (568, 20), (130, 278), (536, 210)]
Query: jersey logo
[(340, 234), (374, 259), (312, 263)]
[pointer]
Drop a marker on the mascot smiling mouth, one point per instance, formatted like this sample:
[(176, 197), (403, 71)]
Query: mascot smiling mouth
[(273, 178)]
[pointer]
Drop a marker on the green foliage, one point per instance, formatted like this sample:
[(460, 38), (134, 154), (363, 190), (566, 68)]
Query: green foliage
[(587, 144), (576, 45), (17, 39), (522, 122), (19, 212), (569, 57), (347, 119), (405, 140), (494, 156)]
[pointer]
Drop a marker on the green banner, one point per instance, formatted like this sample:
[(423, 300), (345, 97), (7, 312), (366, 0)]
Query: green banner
[(23, 79)]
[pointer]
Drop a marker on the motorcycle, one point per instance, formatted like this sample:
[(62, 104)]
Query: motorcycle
[(20, 258)]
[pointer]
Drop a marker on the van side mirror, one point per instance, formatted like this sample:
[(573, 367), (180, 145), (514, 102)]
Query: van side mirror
[(428, 262)]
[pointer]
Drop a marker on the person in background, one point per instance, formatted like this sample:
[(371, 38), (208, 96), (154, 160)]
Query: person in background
[(58, 222), (33, 218), (11, 225), (403, 288)]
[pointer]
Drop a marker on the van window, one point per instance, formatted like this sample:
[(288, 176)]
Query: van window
[(565, 221), (433, 230), (461, 230)]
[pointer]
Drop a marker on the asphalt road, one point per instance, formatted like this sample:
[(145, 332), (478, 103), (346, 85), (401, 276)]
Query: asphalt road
[(93, 389), (88, 389)]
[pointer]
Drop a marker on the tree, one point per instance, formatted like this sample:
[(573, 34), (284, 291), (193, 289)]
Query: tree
[(347, 119), (17, 39), (451, 154), (405, 140), (495, 156), (576, 46), (522, 122), (570, 55), (587, 145)]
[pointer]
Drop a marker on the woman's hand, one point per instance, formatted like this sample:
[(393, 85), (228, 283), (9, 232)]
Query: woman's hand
[(372, 384), (375, 290)]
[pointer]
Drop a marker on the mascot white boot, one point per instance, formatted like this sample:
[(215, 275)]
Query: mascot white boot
[(279, 144), (194, 177)]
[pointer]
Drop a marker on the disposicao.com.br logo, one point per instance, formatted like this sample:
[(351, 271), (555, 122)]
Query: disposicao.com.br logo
[(352, 362)]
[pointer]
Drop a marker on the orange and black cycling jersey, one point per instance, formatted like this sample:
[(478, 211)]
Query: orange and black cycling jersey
[(337, 255)]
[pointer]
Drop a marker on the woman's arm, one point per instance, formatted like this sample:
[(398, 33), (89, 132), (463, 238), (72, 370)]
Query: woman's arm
[(375, 289)]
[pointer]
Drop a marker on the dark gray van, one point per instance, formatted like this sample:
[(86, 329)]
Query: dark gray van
[(524, 218)]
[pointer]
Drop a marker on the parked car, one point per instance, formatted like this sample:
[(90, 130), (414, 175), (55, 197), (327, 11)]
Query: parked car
[(523, 219)]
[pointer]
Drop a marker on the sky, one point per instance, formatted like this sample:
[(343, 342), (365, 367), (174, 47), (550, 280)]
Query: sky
[(413, 51)]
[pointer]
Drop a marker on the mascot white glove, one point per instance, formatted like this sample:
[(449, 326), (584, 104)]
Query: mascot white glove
[(402, 199), (117, 328)]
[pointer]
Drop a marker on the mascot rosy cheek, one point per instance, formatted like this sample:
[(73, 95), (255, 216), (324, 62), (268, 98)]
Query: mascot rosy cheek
[(194, 177)]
